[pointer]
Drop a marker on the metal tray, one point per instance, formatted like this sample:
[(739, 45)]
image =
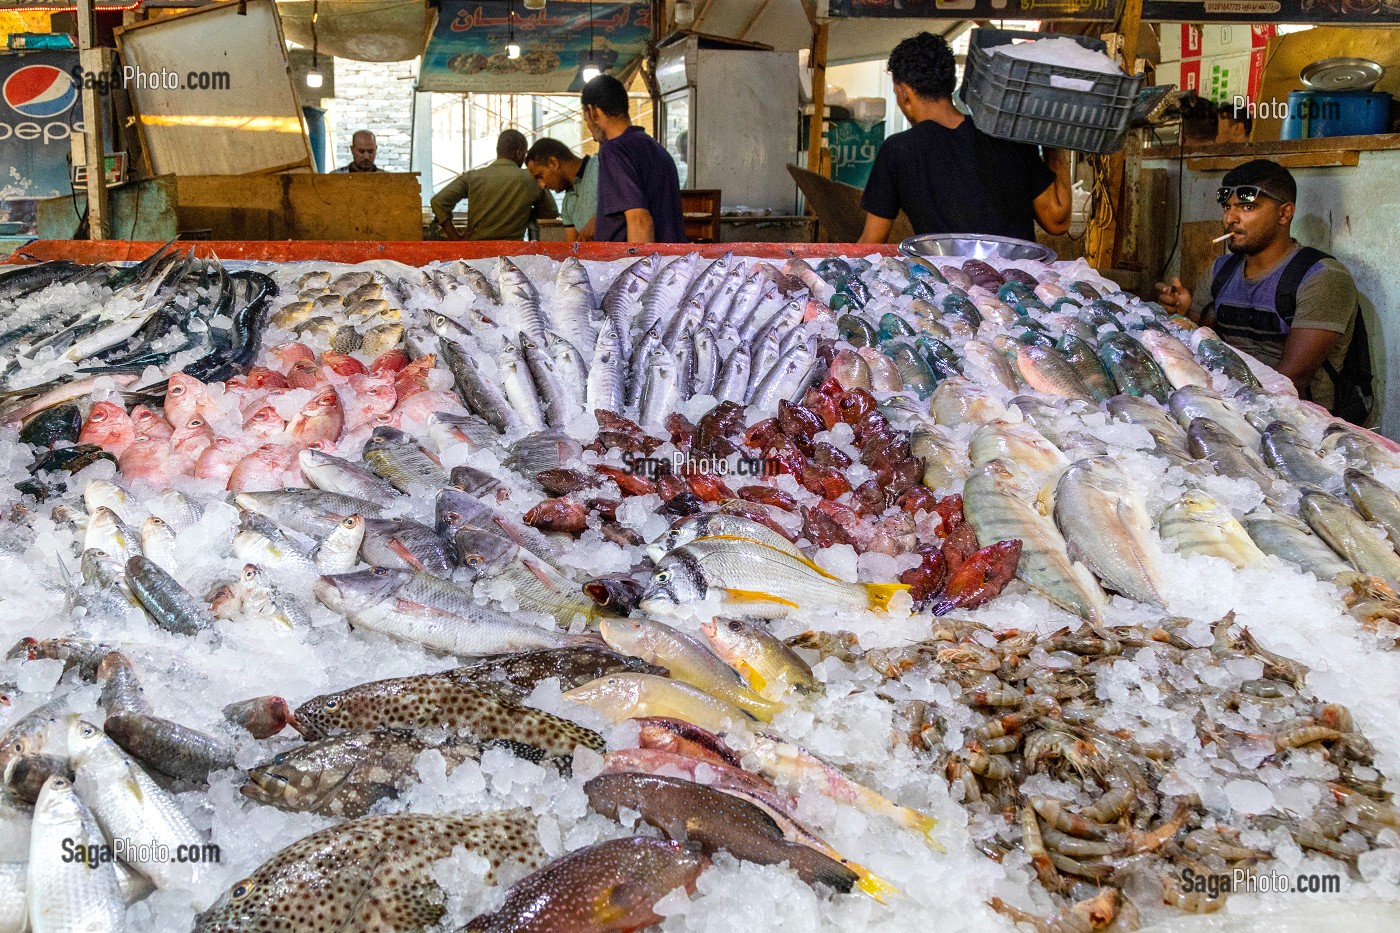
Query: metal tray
[(974, 246)]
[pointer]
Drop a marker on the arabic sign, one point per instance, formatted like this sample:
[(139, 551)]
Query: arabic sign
[(1099, 10), (467, 51)]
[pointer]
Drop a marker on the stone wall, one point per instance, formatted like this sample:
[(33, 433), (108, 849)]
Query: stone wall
[(374, 96)]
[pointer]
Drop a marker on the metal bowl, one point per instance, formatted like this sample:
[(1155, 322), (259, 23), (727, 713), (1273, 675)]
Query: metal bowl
[(974, 246)]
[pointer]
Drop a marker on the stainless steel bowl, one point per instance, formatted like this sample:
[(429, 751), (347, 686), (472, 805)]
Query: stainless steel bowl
[(974, 246)]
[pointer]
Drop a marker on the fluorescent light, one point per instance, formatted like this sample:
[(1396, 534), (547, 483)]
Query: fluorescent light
[(314, 79), (534, 4), (590, 71), (513, 50)]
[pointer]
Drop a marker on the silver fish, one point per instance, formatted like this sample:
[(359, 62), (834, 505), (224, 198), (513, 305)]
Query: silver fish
[(787, 379), (732, 384), (661, 391), (518, 294), (574, 302), (68, 898), (549, 385), (520, 387)]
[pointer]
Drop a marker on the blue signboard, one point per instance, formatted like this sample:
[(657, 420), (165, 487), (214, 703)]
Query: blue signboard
[(467, 51), (39, 112)]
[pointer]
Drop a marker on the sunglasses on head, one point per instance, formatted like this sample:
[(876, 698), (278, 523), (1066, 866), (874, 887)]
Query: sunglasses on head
[(1246, 194)]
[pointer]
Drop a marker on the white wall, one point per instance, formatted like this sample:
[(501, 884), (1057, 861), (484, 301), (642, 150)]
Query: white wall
[(374, 96)]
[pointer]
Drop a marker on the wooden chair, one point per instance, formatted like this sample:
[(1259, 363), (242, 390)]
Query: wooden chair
[(701, 209)]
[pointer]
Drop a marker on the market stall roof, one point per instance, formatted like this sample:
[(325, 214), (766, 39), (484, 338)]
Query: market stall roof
[(784, 24)]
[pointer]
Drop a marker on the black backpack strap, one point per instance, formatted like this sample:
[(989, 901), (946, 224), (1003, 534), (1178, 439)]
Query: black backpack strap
[(1286, 293), (1222, 276)]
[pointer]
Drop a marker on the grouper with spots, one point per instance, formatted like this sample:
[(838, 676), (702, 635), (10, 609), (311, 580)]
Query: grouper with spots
[(369, 874)]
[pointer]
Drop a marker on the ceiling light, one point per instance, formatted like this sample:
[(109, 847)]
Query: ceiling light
[(512, 50), (534, 4), (314, 79)]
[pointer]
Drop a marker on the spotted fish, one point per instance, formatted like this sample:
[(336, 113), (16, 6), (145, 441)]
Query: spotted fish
[(368, 874)]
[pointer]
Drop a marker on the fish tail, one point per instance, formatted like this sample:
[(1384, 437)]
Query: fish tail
[(880, 594), (872, 884), (925, 824)]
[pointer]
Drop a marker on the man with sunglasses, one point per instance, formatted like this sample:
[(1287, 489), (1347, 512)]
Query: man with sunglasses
[(1290, 306)]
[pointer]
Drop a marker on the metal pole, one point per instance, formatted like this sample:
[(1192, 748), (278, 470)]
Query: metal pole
[(93, 62)]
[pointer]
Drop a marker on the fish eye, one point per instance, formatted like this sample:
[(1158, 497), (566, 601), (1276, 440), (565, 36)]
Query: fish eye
[(381, 571), (663, 576), (735, 625), (242, 889), (59, 782), (333, 703), (475, 560), (177, 390), (452, 518), (348, 523)]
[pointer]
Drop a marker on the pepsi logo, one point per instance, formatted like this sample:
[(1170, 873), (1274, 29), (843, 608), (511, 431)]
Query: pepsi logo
[(40, 91)]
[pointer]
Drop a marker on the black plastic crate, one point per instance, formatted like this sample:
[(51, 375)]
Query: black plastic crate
[(1015, 99)]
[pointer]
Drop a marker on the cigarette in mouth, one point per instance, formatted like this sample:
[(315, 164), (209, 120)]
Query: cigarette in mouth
[(1223, 236)]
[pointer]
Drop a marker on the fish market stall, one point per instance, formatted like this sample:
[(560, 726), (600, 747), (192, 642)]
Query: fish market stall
[(574, 588)]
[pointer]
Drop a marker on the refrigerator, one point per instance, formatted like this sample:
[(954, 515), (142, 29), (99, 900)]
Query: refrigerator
[(729, 117)]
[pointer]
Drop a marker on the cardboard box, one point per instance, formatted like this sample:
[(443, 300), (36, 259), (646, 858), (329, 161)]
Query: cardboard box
[(1185, 41), (1219, 78)]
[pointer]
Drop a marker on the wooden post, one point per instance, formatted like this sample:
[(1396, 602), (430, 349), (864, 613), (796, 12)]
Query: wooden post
[(1102, 238), (814, 132), (93, 62)]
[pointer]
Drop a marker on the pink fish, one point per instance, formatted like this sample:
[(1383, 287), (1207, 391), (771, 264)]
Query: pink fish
[(304, 374), (151, 424), (370, 396), (264, 423), (184, 396), (716, 774), (390, 361), (218, 459), (289, 353), (417, 407), (108, 426), (192, 437), (320, 419), (342, 364), (414, 377), (260, 377), (144, 459), (263, 470)]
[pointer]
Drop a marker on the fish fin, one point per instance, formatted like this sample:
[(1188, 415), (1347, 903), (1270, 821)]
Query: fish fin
[(753, 596), (401, 549), (802, 560), (880, 594), (871, 883), (756, 680), (540, 573)]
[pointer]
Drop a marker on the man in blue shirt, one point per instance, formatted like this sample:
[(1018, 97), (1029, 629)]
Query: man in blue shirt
[(639, 191)]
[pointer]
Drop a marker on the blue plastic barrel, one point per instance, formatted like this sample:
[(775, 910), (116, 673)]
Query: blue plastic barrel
[(316, 129), (1315, 114)]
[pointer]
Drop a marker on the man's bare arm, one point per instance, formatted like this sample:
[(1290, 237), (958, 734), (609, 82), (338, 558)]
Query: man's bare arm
[(1053, 205), (877, 229), (1304, 352), (640, 226)]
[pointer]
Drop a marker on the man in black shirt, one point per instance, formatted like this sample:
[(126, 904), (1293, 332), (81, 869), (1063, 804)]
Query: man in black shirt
[(949, 176)]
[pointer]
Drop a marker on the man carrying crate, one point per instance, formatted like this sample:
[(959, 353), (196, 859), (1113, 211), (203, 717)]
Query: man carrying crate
[(947, 175)]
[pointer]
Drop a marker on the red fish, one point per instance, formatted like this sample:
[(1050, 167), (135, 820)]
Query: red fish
[(418, 406), (218, 459), (145, 459), (109, 427), (343, 364), (260, 377), (265, 422), (151, 424), (304, 374), (414, 377), (320, 419), (980, 578), (390, 361), (371, 396), (192, 437), (289, 353), (264, 470), (184, 396)]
